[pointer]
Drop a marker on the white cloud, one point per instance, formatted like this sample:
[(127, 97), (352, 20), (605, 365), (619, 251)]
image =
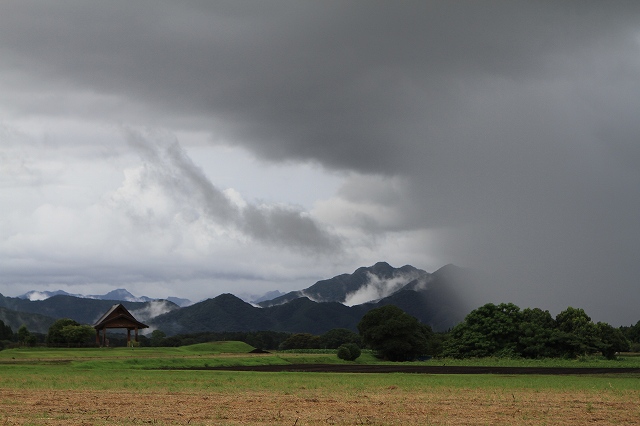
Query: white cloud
[(94, 222), (375, 289)]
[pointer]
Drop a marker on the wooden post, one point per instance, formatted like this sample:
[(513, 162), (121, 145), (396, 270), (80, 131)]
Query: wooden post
[(97, 337), (136, 333), (128, 337)]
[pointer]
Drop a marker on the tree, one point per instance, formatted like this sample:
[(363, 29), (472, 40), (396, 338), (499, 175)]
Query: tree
[(67, 332), (537, 334), (578, 334), (54, 335), (5, 331), (157, 338), (611, 340), (490, 330), (632, 333), (336, 337), (301, 341), (78, 335), (349, 352), (24, 336), (394, 334)]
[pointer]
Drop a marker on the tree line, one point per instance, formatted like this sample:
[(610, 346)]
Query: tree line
[(506, 330), (502, 330)]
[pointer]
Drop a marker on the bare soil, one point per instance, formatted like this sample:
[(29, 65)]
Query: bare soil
[(389, 406)]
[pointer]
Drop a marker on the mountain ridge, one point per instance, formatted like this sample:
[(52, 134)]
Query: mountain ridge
[(344, 286), (119, 294), (436, 299), (432, 298), (83, 310)]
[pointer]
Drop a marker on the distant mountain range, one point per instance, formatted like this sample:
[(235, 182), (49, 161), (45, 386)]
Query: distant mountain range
[(339, 302), (364, 285), (38, 315), (435, 299), (119, 294)]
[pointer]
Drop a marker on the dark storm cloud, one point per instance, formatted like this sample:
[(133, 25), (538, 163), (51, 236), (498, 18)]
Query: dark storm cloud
[(513, 125), (342, 82)]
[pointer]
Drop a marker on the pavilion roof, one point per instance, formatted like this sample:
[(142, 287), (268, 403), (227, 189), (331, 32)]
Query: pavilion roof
[(118, 317)]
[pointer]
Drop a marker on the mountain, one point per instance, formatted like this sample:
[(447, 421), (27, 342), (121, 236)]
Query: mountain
[(267, 296), (83, 310), (230, 313), (444, 297), (180, 301), (435, 299), (34, 295), (223, 313), (35, 323), (306, 316), (120, 294), (365, 284)]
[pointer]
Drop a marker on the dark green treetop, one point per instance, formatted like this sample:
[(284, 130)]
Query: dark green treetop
[(394, 334)]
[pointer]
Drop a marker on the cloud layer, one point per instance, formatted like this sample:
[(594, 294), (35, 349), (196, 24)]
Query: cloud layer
[(498, 136)]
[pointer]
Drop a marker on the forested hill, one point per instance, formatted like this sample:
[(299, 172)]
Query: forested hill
[(35, 322), (85, 311), (339, 302), (434, 299)]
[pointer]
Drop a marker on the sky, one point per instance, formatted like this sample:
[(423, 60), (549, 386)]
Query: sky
[(196, 148)]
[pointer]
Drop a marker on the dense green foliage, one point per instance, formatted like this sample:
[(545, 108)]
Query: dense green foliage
[(632, 334), (394, 334), (5, 331), (67, 332), (505, 330), (337, 337), (301, 341), (25, 338), (349, 352), (612, 340), (269, 340), (332, 339), (157, 337)]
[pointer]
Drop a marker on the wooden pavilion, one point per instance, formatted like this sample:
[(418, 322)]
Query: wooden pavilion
[(117, 317)]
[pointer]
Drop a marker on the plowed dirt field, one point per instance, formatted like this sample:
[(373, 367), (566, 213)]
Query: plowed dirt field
[(392, 406)]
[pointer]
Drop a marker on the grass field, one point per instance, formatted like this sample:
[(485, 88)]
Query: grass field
[(121, 386)]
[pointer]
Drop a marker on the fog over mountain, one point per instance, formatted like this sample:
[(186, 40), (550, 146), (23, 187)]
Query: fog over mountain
[(365, 284), (200, 148)]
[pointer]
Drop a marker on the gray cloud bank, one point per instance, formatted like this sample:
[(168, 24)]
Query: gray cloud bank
[(509, 129), (167, 165)]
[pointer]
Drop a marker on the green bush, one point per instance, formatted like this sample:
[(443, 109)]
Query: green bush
[(349, 352)]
